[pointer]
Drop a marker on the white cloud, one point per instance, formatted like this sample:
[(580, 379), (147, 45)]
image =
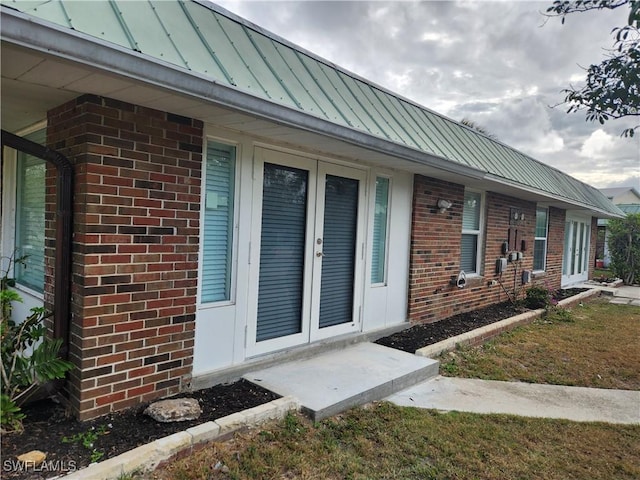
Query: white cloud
[(438, 37), (598, 145)]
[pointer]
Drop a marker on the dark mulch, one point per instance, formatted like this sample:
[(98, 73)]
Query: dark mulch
[(421, 335), (47, 423)]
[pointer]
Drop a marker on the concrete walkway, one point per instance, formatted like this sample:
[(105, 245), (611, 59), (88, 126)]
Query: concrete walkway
[(334, 381), (624, 295), (530, 400)]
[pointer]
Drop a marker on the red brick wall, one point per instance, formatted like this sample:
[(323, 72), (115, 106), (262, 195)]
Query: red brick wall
[(555, 249), (435, 251), (135, 249)]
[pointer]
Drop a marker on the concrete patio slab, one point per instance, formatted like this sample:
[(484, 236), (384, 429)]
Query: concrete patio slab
[(525, 399), (332, 382)]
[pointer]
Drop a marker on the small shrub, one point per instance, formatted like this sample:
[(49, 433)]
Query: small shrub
[(538, 297), (624, 247), (27, 358)]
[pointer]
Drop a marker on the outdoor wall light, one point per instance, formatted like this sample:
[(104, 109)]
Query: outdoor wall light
[(444, 205)]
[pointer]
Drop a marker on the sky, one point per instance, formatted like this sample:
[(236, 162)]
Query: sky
[(500, 64)]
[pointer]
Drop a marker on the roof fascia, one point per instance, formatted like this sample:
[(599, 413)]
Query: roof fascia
[(600, 213)]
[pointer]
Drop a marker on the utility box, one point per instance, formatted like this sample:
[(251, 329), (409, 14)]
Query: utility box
[(526, 276), (501, 265)]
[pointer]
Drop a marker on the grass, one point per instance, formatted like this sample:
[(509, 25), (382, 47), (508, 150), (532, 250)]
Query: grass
[(596, 346), (388, 442)]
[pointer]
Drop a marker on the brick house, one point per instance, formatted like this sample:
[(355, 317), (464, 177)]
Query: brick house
[(199, 197)]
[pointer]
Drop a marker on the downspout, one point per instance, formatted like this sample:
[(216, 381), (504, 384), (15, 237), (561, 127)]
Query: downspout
[(64, 231)]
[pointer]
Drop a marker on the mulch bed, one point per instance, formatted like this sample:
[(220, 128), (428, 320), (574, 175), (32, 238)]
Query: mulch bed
[(421, 335), (47, 422)]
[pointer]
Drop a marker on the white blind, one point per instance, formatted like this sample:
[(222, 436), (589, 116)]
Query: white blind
[(378, 256), (470, 232), (30, 209), (218, 223), (540, 243), (471, 211)]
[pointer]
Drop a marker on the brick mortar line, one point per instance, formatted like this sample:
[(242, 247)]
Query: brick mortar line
[(147, 457)]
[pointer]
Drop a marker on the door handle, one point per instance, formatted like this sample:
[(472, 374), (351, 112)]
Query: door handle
[(319, 254)]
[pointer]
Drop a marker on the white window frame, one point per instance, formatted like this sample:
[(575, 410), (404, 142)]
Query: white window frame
[(479, 232), (545, 239), (385, 265), (235, 227)]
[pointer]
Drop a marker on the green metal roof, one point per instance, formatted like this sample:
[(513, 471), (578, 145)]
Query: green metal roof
[(629, 208), (210, 41)]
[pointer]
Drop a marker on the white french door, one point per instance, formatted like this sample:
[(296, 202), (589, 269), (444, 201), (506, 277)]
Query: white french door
[(306, 251), (575, 263)]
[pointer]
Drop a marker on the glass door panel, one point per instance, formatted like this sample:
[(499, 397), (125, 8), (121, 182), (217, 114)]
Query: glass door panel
[(307, 268), (339, 248), (282, 247)]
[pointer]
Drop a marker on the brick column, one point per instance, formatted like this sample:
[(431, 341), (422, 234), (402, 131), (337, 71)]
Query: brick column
[(555, 248), (135, 249)]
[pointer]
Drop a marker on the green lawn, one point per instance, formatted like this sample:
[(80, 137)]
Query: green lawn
[(597, 346), (388, 442)]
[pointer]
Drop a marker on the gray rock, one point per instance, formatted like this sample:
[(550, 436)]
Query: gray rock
[(174, 410)]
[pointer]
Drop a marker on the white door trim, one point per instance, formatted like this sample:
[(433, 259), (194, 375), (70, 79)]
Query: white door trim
[(355, 325), (310, 331), (575, 261)]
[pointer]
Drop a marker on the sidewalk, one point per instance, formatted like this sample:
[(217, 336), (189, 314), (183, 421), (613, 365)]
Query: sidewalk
[(625, 295), (531, 400), (525, 399)]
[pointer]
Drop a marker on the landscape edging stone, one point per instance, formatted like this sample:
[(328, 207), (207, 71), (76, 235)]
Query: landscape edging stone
[(147, 457), (487, 332)]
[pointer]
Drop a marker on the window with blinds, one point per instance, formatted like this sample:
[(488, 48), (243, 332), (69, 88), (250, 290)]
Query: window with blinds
[(540, 243), (471, 229), (380, 221), (30, 209), (217, 239)]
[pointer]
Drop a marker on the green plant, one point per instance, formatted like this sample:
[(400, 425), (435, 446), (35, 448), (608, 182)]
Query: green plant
[(558, 314), (624, 247), (538, 296), (88, 439), (27, 357)]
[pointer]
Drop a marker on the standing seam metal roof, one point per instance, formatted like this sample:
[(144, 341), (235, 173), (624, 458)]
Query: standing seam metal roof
[(206, 39)]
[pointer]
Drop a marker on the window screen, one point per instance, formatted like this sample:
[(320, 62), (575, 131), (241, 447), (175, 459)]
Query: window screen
[(218, 222), (470, 232), (379, 253), (30, 209), (540, 245), (30, 221)]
